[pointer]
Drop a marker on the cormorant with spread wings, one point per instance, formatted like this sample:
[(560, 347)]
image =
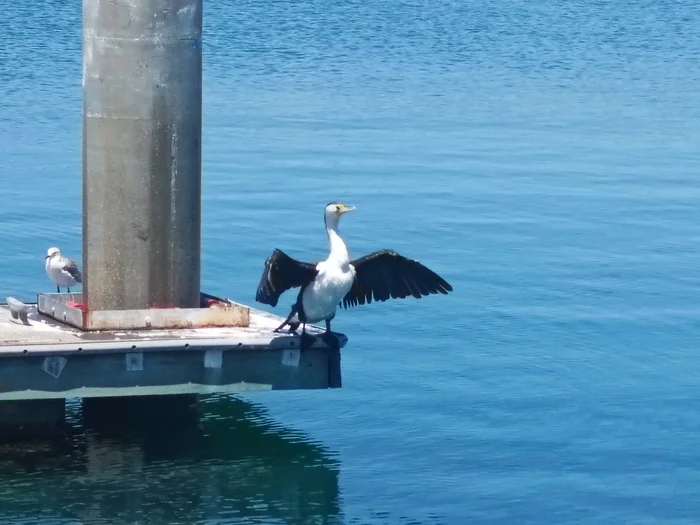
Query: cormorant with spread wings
[(338, 280)]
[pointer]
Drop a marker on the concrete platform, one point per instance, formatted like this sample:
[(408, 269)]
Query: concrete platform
[(41, 358)]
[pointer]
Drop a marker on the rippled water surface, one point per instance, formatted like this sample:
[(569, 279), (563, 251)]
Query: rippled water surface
[(543, 157)]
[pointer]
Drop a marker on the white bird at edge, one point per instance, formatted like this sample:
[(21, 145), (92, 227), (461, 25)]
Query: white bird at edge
[(324, 285), (62, 270)]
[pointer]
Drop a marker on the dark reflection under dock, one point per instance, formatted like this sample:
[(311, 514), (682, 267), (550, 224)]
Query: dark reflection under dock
[(232, 464)]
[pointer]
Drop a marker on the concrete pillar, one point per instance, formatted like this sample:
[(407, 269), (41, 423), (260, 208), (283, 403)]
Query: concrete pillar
[(142, 119)]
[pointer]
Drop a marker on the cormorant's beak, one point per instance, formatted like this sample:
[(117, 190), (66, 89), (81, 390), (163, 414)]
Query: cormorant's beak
[(347, 209)]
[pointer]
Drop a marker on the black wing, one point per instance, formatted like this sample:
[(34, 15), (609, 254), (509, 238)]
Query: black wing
[(386, 274), (71, 267), (281, 273)]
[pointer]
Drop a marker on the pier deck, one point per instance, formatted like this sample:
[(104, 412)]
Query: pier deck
[(41, 358)]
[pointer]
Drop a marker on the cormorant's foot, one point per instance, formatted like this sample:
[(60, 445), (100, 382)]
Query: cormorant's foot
[(332, 340), (307, 341)]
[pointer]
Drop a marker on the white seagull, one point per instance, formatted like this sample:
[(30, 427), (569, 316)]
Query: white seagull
[(380, 275), (61, 270)]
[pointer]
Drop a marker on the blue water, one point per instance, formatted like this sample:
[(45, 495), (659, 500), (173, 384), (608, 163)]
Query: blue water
[(544, 157)]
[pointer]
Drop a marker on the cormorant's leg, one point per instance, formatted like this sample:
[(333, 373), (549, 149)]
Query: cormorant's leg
[(58, 289), (68, 290), (306, 339), (330, 338), (293, 325), (286, 321)]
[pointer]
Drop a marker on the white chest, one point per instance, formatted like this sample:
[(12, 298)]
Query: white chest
[(56, 272), (322, 296)]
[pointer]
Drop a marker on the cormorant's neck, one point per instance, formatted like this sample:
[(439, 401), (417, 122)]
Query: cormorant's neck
[(339, 252)]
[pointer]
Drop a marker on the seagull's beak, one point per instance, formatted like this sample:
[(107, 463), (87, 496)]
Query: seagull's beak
[(347, 209)]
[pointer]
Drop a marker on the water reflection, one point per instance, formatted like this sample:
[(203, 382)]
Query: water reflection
[(234, 465)]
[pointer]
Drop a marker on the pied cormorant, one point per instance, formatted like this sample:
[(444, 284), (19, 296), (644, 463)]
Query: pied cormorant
[(325, 285)]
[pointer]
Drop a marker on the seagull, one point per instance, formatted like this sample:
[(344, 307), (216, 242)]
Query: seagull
[(338, 280), (61, 270)]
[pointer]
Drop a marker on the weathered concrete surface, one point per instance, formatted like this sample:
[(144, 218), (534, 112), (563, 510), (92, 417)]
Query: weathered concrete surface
[(41, 335)]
